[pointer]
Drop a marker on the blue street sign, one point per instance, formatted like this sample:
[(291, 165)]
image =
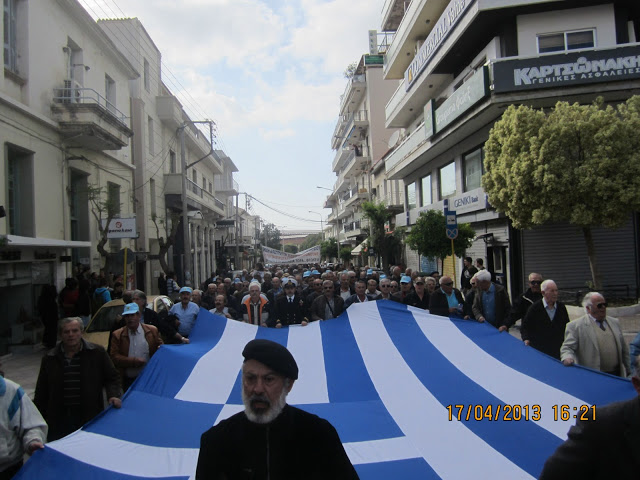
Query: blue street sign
[(452, 233)]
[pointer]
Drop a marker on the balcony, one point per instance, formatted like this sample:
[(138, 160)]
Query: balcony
[(353, 93), (356, 197), (404, 106), (169, 111), (341, 155), (197, 198), (392, 13), (88, 120), (355, 165), (243, 241), (225, 185), (353, 229), (419, 19), (406, 148), (332, 218)]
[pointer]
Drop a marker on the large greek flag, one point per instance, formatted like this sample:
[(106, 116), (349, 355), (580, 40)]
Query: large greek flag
[(412, 395)]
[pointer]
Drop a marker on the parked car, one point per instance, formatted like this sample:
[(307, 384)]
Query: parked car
[(99, 327)]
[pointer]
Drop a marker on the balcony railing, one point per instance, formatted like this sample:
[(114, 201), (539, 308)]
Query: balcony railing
[(411, 143), (70, 95), (351, 226)]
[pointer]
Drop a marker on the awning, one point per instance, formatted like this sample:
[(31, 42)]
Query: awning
[(356, 251), (18, 241)]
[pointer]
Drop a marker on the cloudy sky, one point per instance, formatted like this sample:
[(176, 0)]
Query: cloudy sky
[(270, 73)]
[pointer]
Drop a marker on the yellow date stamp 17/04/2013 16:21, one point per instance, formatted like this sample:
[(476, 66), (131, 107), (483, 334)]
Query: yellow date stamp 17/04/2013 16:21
[(517, 413)]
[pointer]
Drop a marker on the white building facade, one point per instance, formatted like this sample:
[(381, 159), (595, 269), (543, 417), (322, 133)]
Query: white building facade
[(64, 104), (460, 63)]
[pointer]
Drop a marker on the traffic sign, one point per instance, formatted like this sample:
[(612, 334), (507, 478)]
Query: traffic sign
[(452, 233)]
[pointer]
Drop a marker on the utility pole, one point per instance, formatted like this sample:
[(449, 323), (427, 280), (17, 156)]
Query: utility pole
[(237, 260), (186, 242)]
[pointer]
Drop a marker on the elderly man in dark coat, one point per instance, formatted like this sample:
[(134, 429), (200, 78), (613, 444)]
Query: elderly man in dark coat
[(271, 439), (65, 404)]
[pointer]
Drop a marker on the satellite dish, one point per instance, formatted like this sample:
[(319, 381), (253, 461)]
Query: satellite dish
[(393, 140)]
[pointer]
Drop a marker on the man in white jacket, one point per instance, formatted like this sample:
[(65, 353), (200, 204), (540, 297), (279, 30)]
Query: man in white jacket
[(22, 428), (596, 340)]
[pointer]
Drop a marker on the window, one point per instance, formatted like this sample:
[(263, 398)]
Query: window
[(204, 183), (563, 41), (150, 133), (210, 187), (411, 196), (472, 163), (447, 180), (110, 93), (152, 194), (20, 199), (195, 176), (147, 82), (172, 162), (10, 45), (425, 191)]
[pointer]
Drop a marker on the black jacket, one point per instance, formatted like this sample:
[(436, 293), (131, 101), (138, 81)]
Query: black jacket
[(523, 304), (543, 334), (296, 445), (438, 303), (603, 449), (288, 313), (414, 300)]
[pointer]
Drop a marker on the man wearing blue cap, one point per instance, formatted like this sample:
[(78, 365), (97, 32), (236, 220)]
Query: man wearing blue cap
[(186, 311), (271, 439), (133, 345), (405, 289)]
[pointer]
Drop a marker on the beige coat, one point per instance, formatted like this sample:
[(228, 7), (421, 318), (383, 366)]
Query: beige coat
[(581, 344)]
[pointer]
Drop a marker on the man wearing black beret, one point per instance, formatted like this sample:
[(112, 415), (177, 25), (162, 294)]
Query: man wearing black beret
[(270, 439)]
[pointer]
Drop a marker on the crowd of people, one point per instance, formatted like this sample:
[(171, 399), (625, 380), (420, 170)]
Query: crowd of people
[(82, 295), (74, 372)]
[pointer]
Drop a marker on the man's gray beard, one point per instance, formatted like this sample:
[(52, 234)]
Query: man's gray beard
[(270, 414)]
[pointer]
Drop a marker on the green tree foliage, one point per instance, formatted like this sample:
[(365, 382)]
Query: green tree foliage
[(272, 236), (378, 215), (329, 249), (345, 255), (350, 71), (578, 163), (428, 236), (291, 249), (311, 241)]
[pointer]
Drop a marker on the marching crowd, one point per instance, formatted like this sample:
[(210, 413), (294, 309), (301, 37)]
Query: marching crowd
[(74, 372)]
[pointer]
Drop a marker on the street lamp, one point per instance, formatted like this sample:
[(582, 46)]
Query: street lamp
[(321, 228)]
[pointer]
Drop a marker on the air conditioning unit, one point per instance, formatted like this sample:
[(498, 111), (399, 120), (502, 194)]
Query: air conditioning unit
[(71, 92)]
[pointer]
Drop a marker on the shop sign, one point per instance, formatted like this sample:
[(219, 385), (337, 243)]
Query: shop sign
[(567, 69), (449, 18), (121, 228), (465, 97), (469, 201), (429, 119)]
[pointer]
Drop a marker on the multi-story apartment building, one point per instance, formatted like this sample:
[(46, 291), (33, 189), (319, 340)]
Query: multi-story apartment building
[(162, 131), (360, 141), (460, 63), (64, 108)]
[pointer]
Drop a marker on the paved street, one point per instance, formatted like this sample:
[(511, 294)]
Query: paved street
[(23, 367)]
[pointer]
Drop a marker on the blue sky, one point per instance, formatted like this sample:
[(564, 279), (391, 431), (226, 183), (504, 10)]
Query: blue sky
[(270, 73)]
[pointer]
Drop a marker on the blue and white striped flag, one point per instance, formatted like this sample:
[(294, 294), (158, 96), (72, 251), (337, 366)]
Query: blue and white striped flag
[(412, 395)]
